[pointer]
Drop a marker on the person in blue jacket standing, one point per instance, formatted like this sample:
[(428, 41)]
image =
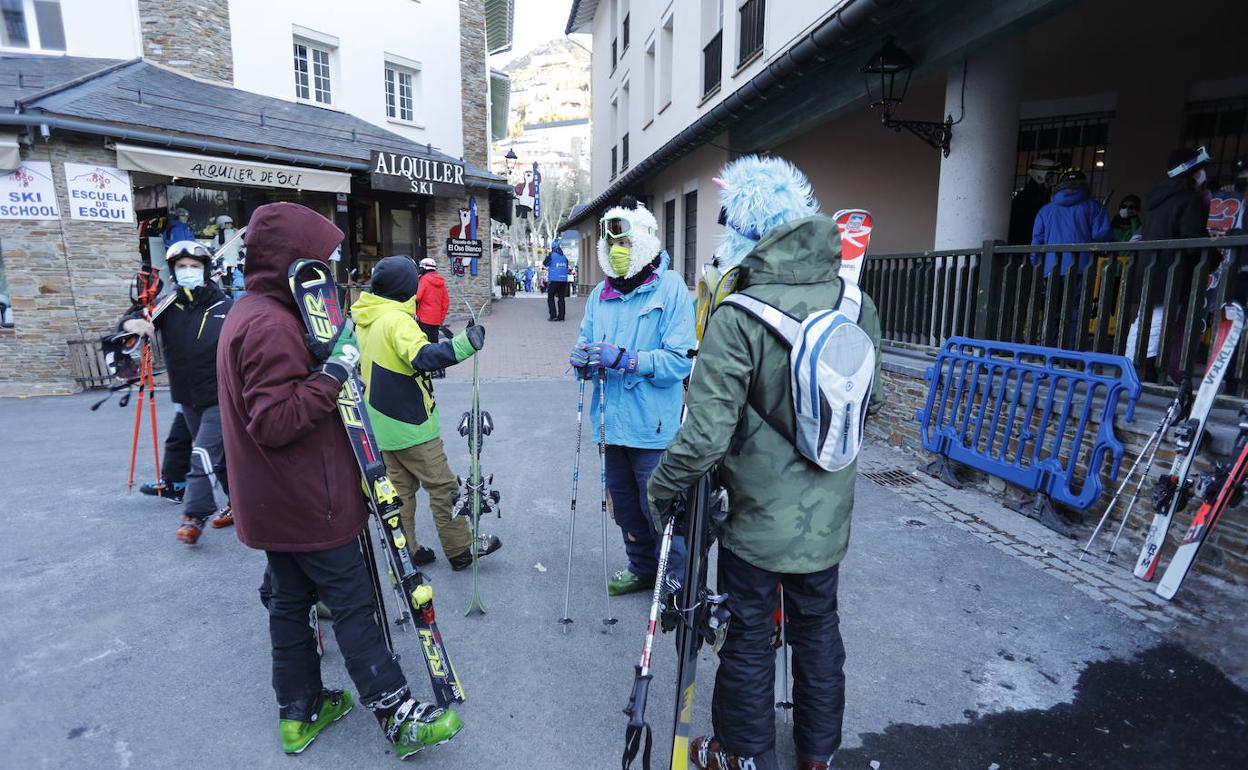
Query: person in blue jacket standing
[(557, 276), (1073, 216), (639, 329)]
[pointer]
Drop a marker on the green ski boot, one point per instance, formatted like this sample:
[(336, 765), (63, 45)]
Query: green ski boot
[(303, 720), (625, 582), (416, 726)]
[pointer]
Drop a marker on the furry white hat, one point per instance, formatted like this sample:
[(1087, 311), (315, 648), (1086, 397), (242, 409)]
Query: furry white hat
[(642, 229)]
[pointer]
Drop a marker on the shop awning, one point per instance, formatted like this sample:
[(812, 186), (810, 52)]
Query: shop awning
[(229, 171), (10, 157)]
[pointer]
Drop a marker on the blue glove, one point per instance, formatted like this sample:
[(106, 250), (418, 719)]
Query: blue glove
[(608, 356), (579, 357)]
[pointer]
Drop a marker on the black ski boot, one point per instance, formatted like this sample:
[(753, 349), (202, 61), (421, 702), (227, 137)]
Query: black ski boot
[(486, 545), (172, 491)]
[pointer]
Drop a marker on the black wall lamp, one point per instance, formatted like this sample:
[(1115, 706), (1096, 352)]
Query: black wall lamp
[(510, 158), (889, 64)]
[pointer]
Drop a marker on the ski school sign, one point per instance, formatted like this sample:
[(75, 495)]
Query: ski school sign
[(98, 193), (416, 175), (27, 192)]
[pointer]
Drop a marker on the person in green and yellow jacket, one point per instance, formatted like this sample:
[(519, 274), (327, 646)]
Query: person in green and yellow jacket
[(396, 359), (790, 519)]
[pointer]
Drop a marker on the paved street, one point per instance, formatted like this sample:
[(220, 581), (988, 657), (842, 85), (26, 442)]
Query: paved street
[(123, 649)]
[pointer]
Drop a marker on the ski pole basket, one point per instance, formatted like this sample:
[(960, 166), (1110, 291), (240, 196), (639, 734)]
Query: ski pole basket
[(1040, 418)]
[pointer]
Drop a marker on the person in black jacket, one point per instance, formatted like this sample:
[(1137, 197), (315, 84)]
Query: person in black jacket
[(189, 328)]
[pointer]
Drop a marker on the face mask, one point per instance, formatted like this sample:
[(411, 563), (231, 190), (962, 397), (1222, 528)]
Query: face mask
[(189, 277), (1124, 213), (1200, 177), (620, 258)]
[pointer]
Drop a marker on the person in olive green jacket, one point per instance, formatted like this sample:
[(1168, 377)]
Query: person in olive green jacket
[(396, 360), (790, 519)]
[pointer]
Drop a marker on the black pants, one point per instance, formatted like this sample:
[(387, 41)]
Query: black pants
[(555, 293), (339, 578), (177, 461), (743, 706)]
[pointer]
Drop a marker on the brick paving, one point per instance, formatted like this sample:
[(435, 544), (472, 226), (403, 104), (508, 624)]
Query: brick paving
[(519, 342)]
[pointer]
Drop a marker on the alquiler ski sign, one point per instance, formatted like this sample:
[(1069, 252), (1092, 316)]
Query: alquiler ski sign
[(416, 175)]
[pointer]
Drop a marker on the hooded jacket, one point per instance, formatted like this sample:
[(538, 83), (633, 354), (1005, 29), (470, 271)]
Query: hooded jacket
[(1172, 210), (294, 482), (1071, 217), (400, 397), (432, 299), (189, 329), (655, 321), (557, 265), (788, 515)]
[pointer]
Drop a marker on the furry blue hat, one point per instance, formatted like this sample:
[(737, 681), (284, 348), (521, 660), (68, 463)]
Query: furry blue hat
[(759, 194)]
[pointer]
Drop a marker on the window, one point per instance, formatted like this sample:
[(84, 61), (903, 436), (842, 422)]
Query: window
[(691, 238), (750, 16), (647, 96), (669, 229), (1221, 126), (401, 84), (665, 63), (615, 55), (614, 160), (624, 92), (32, 24), (712, 44), (1074, 141), (624, 35), (312, 72)]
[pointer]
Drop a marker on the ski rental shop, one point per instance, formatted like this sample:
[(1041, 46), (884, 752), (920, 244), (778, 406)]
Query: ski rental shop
[(105, 162)]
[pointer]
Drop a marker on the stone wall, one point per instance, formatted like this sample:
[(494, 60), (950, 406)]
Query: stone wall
[(443, 215), (69, 279), (474, 82), (192, 36), (1225, 554)]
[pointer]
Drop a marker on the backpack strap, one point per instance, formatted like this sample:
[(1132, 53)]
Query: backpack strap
[(781, 323), (850, 302)]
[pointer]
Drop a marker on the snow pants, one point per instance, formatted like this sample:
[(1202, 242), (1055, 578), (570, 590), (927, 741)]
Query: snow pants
[(628, 473), (339, 577), (176, 463), (207, 461), (743, 707), (425, 465)]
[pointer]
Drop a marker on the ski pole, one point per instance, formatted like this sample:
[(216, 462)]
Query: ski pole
[(151, 402), (576, 475), (609, 620), (636, 709), (1156, 436)]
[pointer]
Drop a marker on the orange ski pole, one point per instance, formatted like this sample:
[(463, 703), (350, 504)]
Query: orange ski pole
[(138, 417), (151, 400)]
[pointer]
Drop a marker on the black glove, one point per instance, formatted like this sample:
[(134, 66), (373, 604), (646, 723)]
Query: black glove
[(476, 336)]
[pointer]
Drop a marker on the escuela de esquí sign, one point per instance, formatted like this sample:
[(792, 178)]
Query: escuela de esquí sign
[(416, 175)]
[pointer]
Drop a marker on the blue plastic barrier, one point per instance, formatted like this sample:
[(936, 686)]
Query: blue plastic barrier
[(1022, 413)]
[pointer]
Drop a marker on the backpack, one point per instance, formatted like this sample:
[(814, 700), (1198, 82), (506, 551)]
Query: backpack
[(831, 369)]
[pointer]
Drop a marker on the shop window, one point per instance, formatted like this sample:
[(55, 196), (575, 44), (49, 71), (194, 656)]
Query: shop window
[(691, 237), (401, 85), (313, 72), (1074, 141), (1221, 126), (47, 32), (6, 301)]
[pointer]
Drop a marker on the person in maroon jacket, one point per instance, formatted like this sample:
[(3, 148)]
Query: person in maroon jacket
[(295, 491)]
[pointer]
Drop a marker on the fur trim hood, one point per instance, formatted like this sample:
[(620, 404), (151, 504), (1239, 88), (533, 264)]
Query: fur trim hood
[(759, 194), (645, 240)]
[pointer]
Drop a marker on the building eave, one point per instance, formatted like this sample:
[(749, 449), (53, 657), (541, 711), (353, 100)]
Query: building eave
[(581, 16)]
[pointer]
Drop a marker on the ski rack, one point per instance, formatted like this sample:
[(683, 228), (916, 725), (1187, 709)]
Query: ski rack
[(1022, 413)]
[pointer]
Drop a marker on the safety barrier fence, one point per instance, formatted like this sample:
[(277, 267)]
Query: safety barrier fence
[(1169, 289), (1040, 418)]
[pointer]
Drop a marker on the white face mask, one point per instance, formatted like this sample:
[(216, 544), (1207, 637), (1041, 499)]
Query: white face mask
[(1200, 177), (189, 277), (1124, 213)]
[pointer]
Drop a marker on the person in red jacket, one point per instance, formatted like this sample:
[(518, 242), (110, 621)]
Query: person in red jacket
[(295, 492), (432, 303)]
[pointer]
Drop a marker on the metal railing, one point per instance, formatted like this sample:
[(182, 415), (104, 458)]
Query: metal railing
[(1152, 301), (712, 63), (751, 15)]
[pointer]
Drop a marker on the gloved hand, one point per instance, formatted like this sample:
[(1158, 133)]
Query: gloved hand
[(139, 326), (578, 358), (342, 364), (608, 356), (476, 336)]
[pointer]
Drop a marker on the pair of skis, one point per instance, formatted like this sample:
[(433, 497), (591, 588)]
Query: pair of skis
[(475, 492), (1171, 490), (312, 284)]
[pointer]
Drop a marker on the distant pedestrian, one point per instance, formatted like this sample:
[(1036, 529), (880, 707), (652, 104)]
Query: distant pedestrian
[(432, 302), (1073, 216), (557, 276)]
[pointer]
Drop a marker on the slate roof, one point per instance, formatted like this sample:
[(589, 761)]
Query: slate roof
[(140, 94)]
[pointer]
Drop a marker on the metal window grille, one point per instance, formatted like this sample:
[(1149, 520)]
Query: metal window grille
[(1074, 141), (669, 228), (624, 152), (712, 63), (614, 161), (1221, 126), (615, 52), (624, 34), (751, 15), (691, 237)]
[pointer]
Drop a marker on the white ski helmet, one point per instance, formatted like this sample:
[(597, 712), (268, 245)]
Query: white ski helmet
[(428, 263)]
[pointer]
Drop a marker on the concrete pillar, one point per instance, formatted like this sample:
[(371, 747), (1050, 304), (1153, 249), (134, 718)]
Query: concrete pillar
[(977, 178)]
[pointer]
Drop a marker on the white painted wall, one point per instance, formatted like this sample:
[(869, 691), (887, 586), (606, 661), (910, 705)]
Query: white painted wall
[(100, 28), (426, 32)]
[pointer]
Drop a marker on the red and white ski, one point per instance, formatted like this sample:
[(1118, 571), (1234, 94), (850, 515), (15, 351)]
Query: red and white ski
[(1169, 494), (855, 227), (1210, 512)]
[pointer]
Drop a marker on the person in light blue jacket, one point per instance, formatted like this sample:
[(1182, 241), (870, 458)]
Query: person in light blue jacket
[(639, 330)]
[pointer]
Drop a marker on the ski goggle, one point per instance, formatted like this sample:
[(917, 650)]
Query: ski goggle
[(199, 251), (1202, 156), (745, 232), (615, 227)]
